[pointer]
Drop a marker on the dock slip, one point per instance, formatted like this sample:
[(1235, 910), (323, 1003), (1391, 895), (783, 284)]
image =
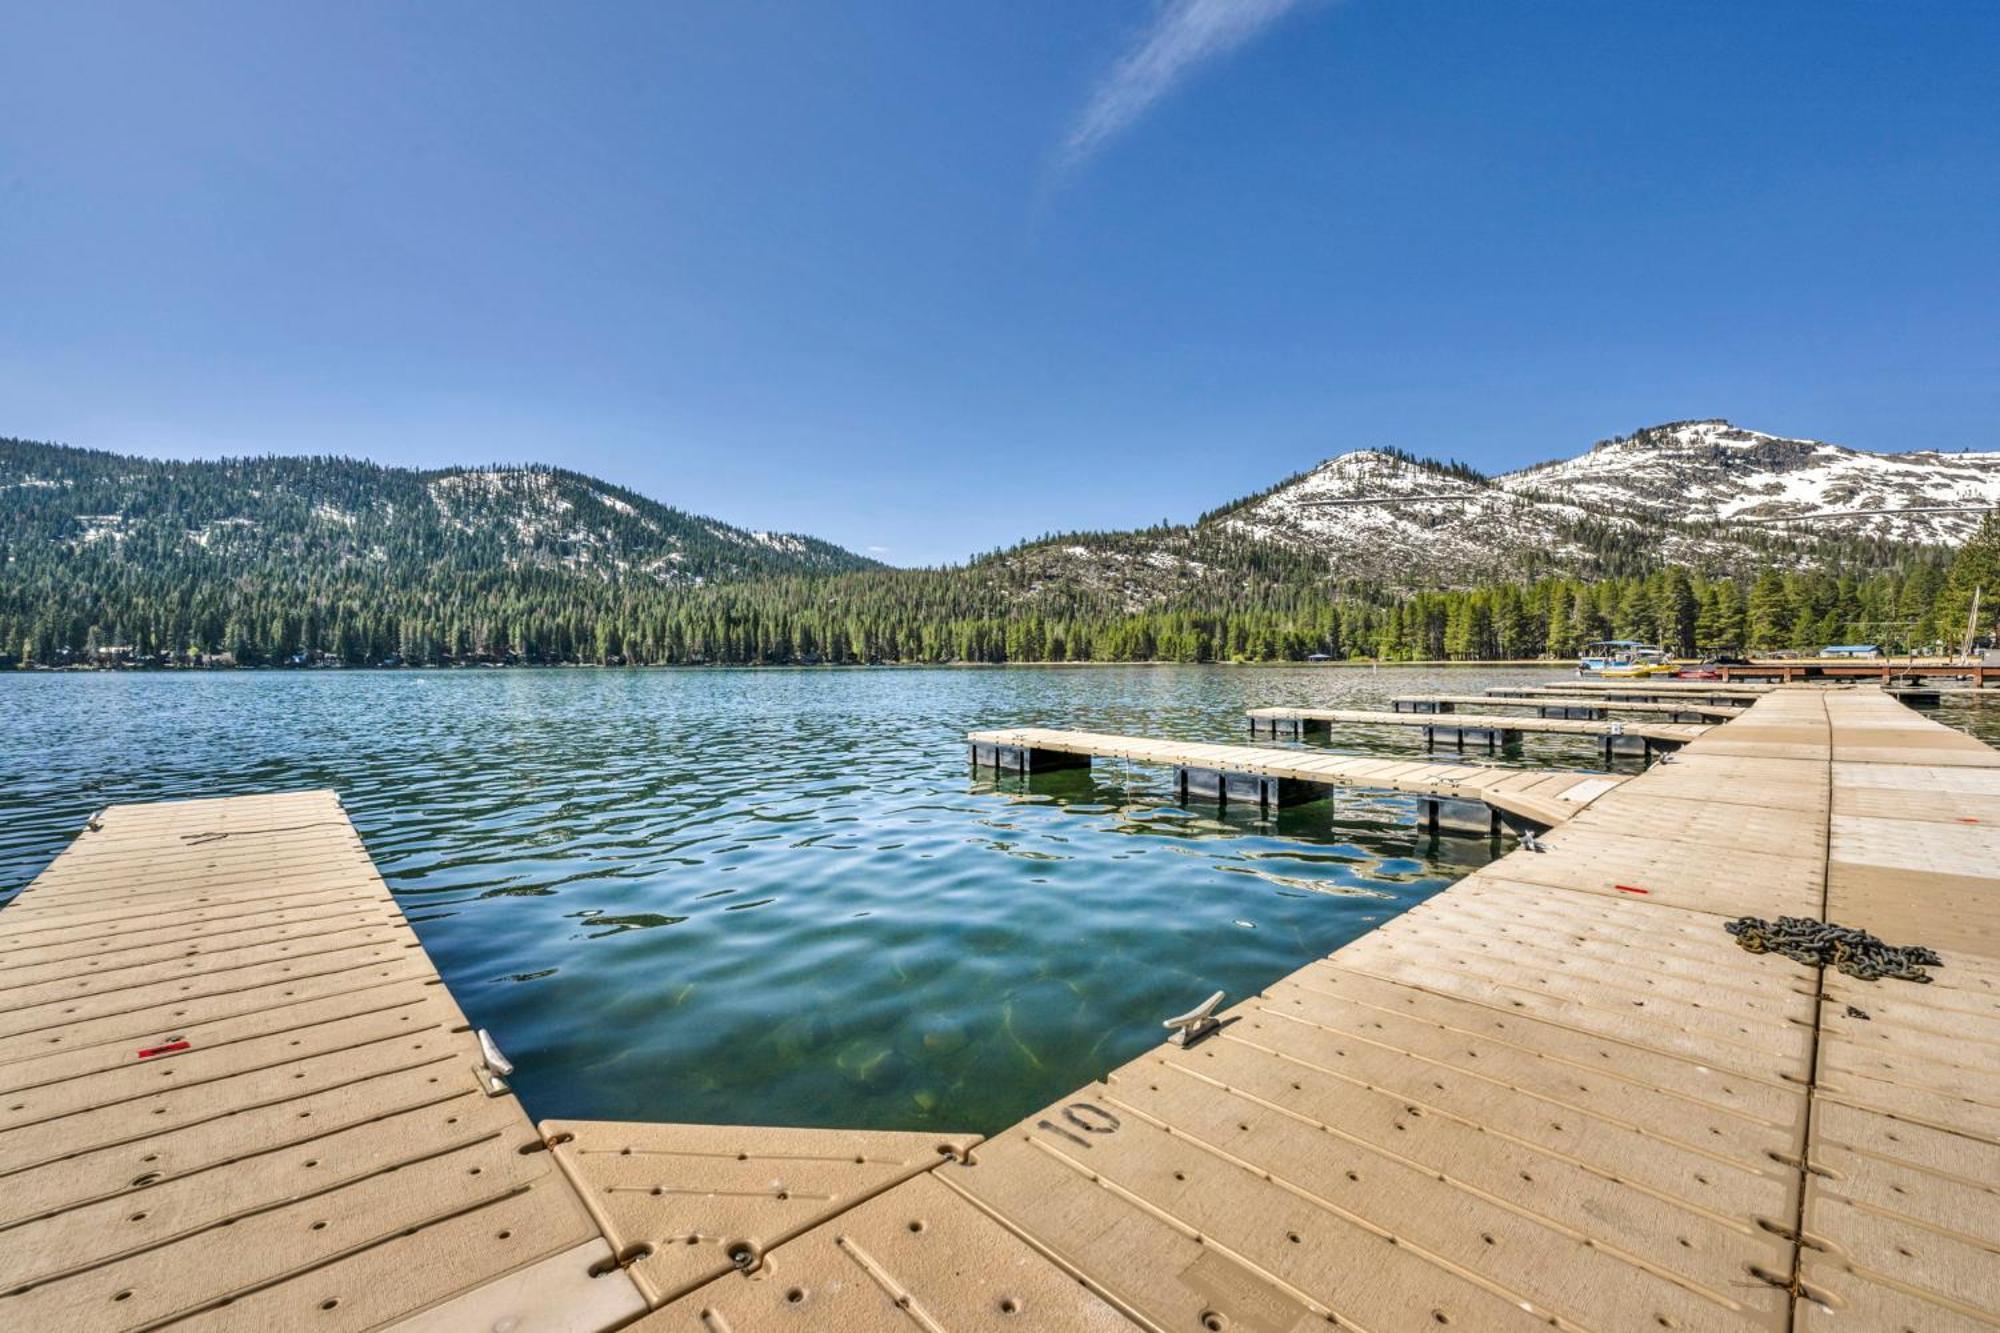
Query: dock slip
[(1489, 729), (1474, 798), (1558, 1094), (1581, 706)]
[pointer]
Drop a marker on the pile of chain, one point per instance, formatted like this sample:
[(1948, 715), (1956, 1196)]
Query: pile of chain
[(1855, 952)]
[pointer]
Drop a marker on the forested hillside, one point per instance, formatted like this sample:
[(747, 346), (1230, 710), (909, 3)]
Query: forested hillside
[(108, 560)]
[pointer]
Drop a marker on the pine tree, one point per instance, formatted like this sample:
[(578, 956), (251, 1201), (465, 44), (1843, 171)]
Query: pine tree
[(1975, 570), (1770, 615)]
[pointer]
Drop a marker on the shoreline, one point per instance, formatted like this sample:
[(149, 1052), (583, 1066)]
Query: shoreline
[(1351, 664)]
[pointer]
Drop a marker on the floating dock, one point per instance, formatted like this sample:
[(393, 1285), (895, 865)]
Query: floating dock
[(1467, 798), (1640, 691), (1556, 1095), (1491, 730), (1585, 707), (235, 1094)]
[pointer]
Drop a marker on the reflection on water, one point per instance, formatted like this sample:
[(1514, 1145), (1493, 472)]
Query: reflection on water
[(1982, 719), (779, 896)]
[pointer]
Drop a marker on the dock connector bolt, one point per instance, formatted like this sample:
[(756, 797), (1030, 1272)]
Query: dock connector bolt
[(1196, 1023), (495, 1067)]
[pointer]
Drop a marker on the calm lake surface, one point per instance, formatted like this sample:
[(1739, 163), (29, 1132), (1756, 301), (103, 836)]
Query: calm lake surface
[(780, 896)]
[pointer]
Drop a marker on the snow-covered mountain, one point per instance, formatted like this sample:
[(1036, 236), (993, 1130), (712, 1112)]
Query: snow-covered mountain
[(1693, 471), (1681, 493), (1450, 527)]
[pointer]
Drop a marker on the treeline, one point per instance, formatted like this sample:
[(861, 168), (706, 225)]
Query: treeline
[(290, 615), (283, 561)]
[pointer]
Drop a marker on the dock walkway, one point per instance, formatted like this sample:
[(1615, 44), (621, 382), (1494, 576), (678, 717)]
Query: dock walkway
[(235, 1094), (1263, 775), (1557, 1094)]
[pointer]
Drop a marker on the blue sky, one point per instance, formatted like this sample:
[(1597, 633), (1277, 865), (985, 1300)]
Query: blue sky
[(927, 278)]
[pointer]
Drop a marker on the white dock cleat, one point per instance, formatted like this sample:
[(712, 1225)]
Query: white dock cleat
[(1196, 1023)]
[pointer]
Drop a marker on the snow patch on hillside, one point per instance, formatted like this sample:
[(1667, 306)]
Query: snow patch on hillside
[(1705, 471)]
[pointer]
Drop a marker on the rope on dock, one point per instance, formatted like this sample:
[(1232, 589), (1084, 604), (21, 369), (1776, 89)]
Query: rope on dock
[(1847, 948)]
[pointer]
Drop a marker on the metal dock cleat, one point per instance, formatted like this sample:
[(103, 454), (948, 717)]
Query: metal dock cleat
[(493, 1072), (1196, 1023)]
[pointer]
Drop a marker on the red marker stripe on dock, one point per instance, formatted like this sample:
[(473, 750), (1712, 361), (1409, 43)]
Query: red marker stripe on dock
[(1630, 888), (147, 1052)]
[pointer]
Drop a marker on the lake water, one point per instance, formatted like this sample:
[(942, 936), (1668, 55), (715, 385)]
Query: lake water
[(779, 896)]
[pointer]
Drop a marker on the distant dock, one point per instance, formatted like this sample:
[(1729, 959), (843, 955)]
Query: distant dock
[(1641, 691), (1587, 707), (1493, 731)]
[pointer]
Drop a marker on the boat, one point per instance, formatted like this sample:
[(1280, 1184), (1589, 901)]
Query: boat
[(1621, 659), (1635, 670)]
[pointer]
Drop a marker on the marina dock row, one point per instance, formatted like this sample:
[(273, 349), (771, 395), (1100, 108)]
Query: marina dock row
[(1558, 1094), (1492, 730)]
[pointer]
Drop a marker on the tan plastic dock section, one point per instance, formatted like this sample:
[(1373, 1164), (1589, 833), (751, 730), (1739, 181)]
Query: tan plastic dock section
[(1555, 1095), (234, 1094), (1542, 797), (1667, 733), (1452, 702)]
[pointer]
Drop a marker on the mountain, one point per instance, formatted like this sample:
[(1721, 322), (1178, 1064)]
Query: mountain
[(1711, 470), (236, 515), (108, 559), (1675, 494)]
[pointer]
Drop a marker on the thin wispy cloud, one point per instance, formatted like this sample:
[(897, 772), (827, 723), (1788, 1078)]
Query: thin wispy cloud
[(1185, 34)]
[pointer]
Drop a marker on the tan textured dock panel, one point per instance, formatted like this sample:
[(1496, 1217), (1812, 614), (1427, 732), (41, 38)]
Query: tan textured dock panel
[(232, 1090), (687, 1203), (1182, 1231), (919, 1257), (542, 1297), (1688, 874)]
